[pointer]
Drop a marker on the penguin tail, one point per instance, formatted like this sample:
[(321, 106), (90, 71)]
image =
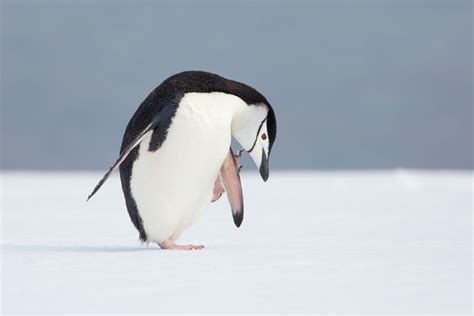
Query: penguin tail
[(122, 157)]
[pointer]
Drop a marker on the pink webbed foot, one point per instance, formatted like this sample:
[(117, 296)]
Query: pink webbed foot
[(237, 156), (218, 190), (170, 245), (218, 187)]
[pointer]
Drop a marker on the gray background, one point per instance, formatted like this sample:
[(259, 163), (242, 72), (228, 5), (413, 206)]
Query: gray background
[(355, 84)]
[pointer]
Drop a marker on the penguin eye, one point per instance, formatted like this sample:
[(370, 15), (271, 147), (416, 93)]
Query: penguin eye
[(264, 136)]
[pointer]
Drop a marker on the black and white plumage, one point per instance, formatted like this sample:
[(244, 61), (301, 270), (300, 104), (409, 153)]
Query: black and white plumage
[(177, 143)]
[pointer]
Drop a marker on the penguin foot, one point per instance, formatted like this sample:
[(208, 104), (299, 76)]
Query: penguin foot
[(218, 187), (237, 156), (218, 190), (170, 245)]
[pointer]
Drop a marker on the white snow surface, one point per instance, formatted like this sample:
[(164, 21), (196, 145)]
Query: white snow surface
[(316, 242)]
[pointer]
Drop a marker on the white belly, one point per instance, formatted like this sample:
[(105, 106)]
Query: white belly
[(173, 185)]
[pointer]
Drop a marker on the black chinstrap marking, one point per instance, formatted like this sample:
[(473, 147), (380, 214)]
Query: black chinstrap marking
[(256, 137)]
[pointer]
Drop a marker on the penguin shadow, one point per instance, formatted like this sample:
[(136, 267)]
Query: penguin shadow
[(76, 248)]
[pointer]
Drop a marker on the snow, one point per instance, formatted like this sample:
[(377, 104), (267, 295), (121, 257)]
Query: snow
[(349, 242)]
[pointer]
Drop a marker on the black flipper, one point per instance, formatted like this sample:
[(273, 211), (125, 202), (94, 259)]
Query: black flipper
[(124, 154)]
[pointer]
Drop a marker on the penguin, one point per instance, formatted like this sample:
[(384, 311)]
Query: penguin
[(176, 156)]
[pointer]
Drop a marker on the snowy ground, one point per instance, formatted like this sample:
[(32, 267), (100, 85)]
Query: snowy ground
[(352, 242)]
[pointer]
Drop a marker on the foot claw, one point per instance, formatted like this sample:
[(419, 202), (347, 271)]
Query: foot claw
[(239, 152), (238, 155)]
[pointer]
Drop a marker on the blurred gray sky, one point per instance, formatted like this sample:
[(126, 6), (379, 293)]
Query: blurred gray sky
[(355, 84)]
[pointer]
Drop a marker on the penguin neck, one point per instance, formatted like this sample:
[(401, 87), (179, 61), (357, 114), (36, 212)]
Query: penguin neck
[(216, 107), (244, 120)]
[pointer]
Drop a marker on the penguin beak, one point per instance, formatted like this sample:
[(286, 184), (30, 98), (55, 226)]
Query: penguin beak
[(261, 161), (264, 170)]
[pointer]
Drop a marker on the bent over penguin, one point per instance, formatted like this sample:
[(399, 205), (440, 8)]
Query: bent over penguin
[(176, 153)]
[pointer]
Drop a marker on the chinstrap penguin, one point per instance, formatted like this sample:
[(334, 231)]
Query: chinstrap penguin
[(176, 154)]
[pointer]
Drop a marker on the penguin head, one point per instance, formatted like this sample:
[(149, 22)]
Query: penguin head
[(255, 129)]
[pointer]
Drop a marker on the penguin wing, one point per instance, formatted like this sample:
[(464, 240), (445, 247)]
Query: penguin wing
[(229, 174), (125, 152)]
